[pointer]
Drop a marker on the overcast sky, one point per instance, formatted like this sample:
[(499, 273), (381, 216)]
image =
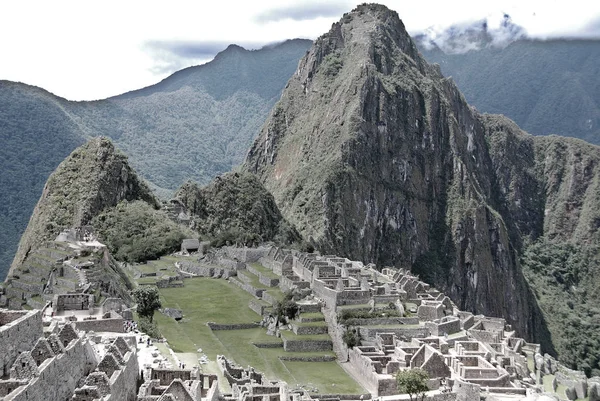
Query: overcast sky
[(85, 50)]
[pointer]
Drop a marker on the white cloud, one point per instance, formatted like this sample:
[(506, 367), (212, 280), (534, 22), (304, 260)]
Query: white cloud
[(95, 49)]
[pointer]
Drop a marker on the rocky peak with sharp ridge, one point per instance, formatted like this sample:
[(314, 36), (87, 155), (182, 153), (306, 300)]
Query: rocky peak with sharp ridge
[(95, 176), (371, 153)]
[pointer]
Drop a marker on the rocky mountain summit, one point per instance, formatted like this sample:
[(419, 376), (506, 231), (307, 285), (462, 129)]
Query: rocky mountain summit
[(371, 153), (94, 177)]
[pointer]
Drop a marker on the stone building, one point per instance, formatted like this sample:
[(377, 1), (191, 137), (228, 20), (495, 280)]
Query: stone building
[(47, 365)]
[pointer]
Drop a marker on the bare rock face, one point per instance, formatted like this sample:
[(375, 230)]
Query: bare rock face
[(371, 153), (95, 176)]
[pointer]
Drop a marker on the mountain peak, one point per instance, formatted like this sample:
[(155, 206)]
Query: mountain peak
[(373, 154), (370, 37), (93, 177)]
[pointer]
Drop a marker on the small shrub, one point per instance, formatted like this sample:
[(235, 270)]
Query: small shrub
[(352, 337), (413, 382), (287, 309), (149, 327)]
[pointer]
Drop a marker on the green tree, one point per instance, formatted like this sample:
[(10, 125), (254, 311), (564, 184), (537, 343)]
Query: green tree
[(352, 337), (287, 309), (148, 301), (413, 382)]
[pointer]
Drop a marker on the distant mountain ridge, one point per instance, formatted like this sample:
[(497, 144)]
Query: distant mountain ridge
[(195, 124), (472, 36), (545, 86)]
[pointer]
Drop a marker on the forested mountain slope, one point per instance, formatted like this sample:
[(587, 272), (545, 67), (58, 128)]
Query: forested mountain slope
[(196, 124)]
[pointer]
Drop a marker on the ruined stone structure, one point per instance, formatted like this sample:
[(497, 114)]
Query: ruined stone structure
[(19, 331), (250, 385), (403, 323), (178, 384), (48, 365), (470, 354)]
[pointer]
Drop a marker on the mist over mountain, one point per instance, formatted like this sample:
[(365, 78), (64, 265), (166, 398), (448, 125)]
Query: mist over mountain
[(491, 32), (195, 124), (546, 86)]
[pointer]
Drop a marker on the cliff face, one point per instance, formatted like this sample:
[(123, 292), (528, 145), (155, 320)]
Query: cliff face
[(94, 177), (371, 153)]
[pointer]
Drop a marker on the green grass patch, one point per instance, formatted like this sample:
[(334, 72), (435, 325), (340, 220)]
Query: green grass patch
[(252, 279), (328, 377), (147, 280), (264, 271), (276, 293), (207, 299)]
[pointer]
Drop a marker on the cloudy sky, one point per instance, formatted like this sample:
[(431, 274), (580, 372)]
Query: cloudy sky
[(85, 50)]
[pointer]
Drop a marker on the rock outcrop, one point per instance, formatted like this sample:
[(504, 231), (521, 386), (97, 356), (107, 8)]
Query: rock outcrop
[(371, 153), (235, 207), (94, 177)]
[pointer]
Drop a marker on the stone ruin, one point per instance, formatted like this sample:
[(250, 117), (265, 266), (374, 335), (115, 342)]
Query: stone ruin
[(250, 385), (80, 309), (466, 356), (472, 355), (59, 362), (178, 384)]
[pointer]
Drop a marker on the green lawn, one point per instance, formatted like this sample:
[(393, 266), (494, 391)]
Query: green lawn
[(215, 300), (252, 279), (264, 271)]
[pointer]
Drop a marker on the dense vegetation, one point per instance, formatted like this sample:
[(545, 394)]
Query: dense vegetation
[(36, 136), (196, 124), (236, 208), (94, 177), (136, 232), (547, 87), (564, 278)]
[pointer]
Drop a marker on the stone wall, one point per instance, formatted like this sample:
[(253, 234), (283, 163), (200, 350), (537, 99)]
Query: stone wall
[(439, 329), (291, 345), (267, 297), (309, 330), (485, 336), (239, 326), (123, 384), (408, 333), (381, 321), (244, 254), (58, 376), (114, 325), (262, 278), (257, 306), (20, 333), (257, 292), (207, 270), (367, 372), (65, 302)]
